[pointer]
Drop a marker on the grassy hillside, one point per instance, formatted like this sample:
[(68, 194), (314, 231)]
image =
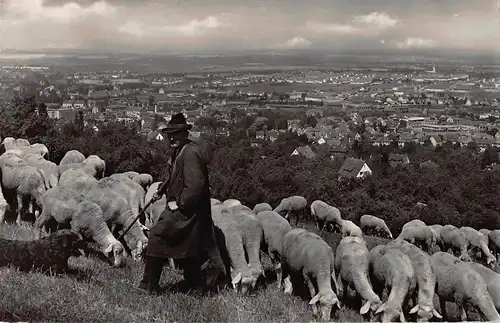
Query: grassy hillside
[(96, 292)]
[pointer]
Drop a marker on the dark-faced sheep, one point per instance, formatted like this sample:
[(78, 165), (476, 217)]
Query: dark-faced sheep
[(48, 253)]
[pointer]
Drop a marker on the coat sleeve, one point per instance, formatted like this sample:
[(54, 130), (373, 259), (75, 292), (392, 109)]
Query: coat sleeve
[(167, 176), (194, 180)]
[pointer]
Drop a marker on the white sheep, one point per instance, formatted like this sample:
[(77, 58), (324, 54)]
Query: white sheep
[(348, 228), (478, 243), (233, 250), (292, 206), (326, 215), (417, 234), (275, 228), (252, 234), (486, 232), (231, 202), (436, 232), (455, 242), (262, 207), (373, 225), (306, 254), (459, 283), (352, 265), (494, 242), (425, 277), (492, 280), (392, 269)]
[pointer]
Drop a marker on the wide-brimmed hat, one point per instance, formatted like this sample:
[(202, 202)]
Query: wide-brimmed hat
[(177, 123)]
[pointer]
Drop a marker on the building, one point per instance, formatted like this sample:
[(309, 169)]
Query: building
[(354, 168), (396, 160), (304, 151)]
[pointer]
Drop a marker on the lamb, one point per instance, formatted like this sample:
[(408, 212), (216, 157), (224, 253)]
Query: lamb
[(275, 228), (352, 266), (306, 254), (326, 214), (454, 241), (426, 280), (348, 228), (68, 207), (375, 226), (418, 234), (48, 253), (234, 255), (478, 242), (391, 268), (492, 280), (262, 207), (459, 283), (252, 235)]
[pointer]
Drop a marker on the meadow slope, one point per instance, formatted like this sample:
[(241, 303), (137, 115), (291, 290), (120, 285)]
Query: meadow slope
[(98, 293)]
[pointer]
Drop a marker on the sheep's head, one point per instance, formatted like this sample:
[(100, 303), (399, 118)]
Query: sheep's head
[(114, 252), (326, 302), (491, 260), (390, 314), (245, 281), (372, 305), (425, 313)]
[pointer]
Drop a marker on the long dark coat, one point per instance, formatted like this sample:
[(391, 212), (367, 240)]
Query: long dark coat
[(188, 231)]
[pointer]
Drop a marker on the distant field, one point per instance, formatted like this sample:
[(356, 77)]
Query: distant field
[(95, 292)]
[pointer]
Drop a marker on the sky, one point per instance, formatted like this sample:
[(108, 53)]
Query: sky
[(239, 25)]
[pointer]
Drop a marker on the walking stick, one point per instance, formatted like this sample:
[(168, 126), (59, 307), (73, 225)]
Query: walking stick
[(142, 212)]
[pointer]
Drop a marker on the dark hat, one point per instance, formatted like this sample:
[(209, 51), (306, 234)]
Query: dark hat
[(177, 123)]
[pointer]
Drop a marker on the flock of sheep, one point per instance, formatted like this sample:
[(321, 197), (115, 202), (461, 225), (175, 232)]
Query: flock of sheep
[(76, 195)]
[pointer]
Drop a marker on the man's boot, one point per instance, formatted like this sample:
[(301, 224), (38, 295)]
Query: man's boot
[(152, 273)]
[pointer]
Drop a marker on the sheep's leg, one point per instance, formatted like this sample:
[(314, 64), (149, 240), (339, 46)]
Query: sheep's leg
[(277, 267), (21, 206), (442, 305), (41, 221), (3, 207), (341, 288), (286, 279), (312, 291)]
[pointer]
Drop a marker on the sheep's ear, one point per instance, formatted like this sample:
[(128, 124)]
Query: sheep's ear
[(79, 235), (236, 279), (314, 300), (414, 309), (108, 249), (436, 314), (365, 308), (381, 308)]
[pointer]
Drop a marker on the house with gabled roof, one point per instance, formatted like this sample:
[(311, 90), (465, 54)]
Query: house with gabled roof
[(304, 151), (401, 160), (353, 168)]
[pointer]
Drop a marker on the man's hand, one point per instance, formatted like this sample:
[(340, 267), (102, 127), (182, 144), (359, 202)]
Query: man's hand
[(172, 205)]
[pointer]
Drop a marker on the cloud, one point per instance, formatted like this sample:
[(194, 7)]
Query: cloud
[(367, 25), (378, 20), (190, 28), (415, 42), (298, 42)]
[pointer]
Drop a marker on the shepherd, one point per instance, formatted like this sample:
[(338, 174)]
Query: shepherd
[(185, 230)]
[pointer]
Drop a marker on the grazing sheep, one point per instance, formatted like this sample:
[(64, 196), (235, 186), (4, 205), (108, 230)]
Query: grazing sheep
[(492, 280), (413, 223), (71, 157), (353, 268), (391, 268), (252, 234), (293, 206), (49, 170), (417, 234), (425, 277), (212, 200), (145, 180), (436, 232), (233, 250), (459, 283), (348, 228), (326, 215), (494, 242), (305, 254), (275, 228), (48, 253), (478, 244), (98, 163), (262, 207), (454, 241), (374, 226), (68, 207), (231, 202)]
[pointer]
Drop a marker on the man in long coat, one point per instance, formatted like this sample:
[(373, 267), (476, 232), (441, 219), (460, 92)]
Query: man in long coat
[(185, 230)]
